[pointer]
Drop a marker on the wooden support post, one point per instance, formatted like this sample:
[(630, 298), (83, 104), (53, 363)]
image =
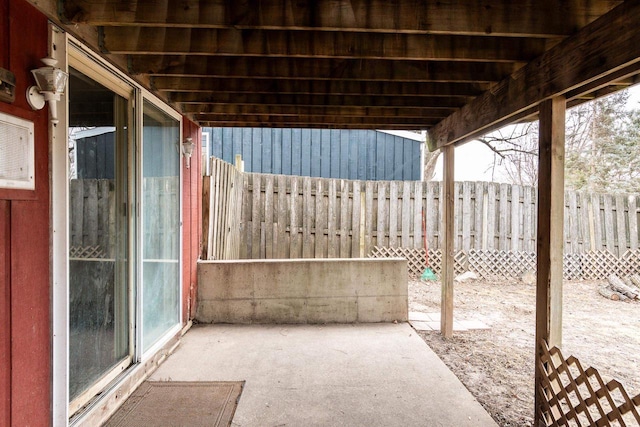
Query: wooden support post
[(550, 233), (448, 227)]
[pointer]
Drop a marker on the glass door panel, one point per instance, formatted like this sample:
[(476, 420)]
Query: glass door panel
[(99, 258), (160, 224)]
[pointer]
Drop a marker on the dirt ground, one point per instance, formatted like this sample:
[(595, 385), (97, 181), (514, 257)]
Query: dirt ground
[(497, 365)]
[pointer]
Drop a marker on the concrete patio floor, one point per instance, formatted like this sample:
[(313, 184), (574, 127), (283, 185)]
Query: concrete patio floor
[(327, 375)]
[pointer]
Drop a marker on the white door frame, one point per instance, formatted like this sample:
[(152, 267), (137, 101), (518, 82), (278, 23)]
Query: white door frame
[(59, 47)]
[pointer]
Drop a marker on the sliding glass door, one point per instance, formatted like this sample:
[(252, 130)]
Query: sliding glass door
[(100, 229), (123, 246), (160, 224)]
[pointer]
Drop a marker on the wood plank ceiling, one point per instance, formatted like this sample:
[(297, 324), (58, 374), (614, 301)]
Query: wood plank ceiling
[(381, 64)]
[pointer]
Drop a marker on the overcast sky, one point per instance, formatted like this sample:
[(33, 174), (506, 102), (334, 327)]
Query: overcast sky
[(473, 160)]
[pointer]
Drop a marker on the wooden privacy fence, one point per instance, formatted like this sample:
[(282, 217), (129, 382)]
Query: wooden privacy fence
[(222, 194), (93, 217), (302, 217), (92, 224)]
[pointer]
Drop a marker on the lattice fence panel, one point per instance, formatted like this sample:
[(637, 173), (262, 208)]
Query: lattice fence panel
[(571, 395), (416, 259), (630, 263), (599, 264), (461, 262), (492, 264), (85, 252), (572, 266), (435, 261)]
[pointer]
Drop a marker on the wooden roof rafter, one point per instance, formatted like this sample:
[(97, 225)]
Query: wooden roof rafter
[(603, 52), (318, 44), (316, 87), (360, 60), (528, 18)]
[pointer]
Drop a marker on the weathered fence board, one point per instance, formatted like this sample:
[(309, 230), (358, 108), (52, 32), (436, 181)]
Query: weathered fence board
[(93, 212), (92, 215), (222, 196), (339, 218), (633, 222)]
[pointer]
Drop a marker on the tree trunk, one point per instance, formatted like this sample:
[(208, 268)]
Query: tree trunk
[(430, 162)]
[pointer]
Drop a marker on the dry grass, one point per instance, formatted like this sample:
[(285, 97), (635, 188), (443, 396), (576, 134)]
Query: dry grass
[(497, 365)]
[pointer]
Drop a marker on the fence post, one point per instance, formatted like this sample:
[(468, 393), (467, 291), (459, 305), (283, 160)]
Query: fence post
[(362, 222), (239, 163)]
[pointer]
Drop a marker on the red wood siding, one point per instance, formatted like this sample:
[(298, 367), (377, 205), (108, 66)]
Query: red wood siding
[(192, 225), (5, 314), (24, 257), (25, 318), (4, 35)]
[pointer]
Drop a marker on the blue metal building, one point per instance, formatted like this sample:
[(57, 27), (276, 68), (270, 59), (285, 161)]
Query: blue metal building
[(327, 153)]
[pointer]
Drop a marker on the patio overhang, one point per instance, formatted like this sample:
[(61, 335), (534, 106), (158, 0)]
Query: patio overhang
[(455, 69), (599, 54)]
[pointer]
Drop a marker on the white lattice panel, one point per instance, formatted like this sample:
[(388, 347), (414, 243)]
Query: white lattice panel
[(599, 264), (416, 260), (629, 263), (86, 252), (571, 395), (492, 264), (572, 266)]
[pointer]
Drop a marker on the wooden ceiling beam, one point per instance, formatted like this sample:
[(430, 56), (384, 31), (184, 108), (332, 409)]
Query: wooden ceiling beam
[(317, 44), (245, 124), (623, 77), (329, 120), (200, 110), (327, 69), (316, 87), (87, 33), (595, 53), (528, 18), (314, 100)]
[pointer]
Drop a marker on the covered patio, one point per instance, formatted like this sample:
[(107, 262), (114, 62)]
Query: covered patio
[(455, 69), (326, 375)]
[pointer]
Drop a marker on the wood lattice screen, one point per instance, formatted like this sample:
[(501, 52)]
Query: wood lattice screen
[(84, 252), (416, 262), (492, 264), (573, 396)]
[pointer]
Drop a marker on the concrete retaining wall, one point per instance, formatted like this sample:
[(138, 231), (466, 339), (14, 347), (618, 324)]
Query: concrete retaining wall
[(302, 291)]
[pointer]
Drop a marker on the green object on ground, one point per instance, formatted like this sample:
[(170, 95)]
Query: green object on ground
[(428, 274)]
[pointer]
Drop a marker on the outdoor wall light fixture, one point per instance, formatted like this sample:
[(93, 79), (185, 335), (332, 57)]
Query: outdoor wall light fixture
[(51, 82), (187, 150)]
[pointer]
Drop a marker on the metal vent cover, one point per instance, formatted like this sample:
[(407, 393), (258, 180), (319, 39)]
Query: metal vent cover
[(17, 169)]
